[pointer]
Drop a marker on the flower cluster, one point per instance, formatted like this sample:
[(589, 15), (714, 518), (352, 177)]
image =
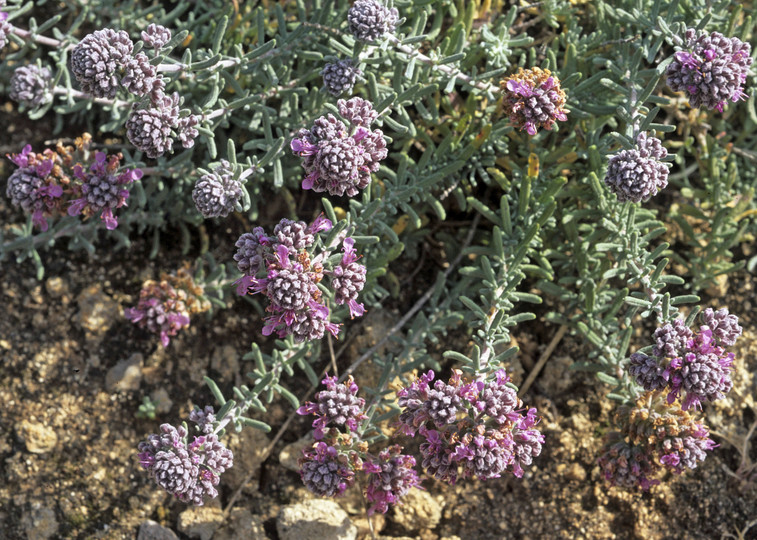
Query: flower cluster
[(476, 426), (637, 174), (533, 99), (339, 159), (5, 26), (711, 70), (650, 437), (164, 306), (190, 471), (153, 126), (369, 20), (102, 188), (31, 85), (44, 184), (329, 467), (687, 364), (284, 267), (217, 194), (340, 76)]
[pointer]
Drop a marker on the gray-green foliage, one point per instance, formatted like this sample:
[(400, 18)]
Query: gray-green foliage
[(537, 221)]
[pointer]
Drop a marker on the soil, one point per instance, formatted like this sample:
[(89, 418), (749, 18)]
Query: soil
[(74, 372)]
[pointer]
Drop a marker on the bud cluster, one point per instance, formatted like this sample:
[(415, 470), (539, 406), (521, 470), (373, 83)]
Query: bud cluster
[(5, 26), (712, 69), (338, 159), (693, 366), (216, 194), (649, 437), (476, 427), (44, 184), (287, 270), (370, 20), (190, 471), (637, 174), (164, 306), (533, 99), (329, 467)]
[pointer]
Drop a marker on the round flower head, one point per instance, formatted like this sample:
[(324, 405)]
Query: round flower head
[(340, 76), (637, 174), (324, 472), (533, 99), (216, 194), (32, 187), (369, 20), (391, 477), (295, 235), (672, 340), (156, 36), (152, 129), (711, 69), (31, 85), (141, 77), (724, 326), (98, 59), (647, 372), (251, 250), (357, 111)]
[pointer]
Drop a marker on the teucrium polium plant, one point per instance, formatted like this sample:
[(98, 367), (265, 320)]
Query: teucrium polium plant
[(359, 149)]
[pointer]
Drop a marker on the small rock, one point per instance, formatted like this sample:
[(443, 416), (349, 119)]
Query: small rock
[(97, 312), (126, 375), (162, 401), (39, 523), (55, 287), (38, 438), (291, 453), (200, 521), (575, 472), (241, 525), (225, 361), (317, 518), (248, 447), (151, 530), (417, 510)]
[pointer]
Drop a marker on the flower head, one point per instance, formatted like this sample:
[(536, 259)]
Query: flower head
[(156, 36), (391, 477), (35, 186), (724, 326), (152, 129), (98, 60), (340, 76), (637, 174), (325, 472), (712, 69), (31, 85), (369, 20), (533, 99), (5, 27), (216, 194)]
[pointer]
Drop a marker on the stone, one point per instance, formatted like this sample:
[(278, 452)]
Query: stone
[(241, 525), (151, 530), (38, 438), (417, 510), (200, 521), (39, 522), (97, 312), (291, 453), (248, 447), (125, 376), (317, 518)]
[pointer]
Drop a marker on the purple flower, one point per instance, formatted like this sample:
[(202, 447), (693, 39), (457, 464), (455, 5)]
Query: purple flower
[(369, 20), (627, 467), (338, 405), (295, 235), (252, 247), (533, 99), (325, 472), (5, 27), (102, 190), (671, 340), (32, 187), (217, 194), (711, 70), (152, 129), (340, 76), (647, 372), (391, 476), (156, 36), (31, 85), (637, 174), (188, 471), (704, 373), (141, 78), (348, 279), (724, 326)]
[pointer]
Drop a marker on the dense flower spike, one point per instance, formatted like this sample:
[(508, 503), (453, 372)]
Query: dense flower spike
[(391, 476), (649, 437), (189, 471), (292, 275), (475, 428), (637, 174), (330, 466), (102, 190), (34, 187), (693, 366), (99, 58), (5, 26), (369, 20), (533, 99), (152, 129), (340, 76), (31, 85), (337, 159), (156, 36), (217, 194), (141, 78), (712, 69), (164, 307)]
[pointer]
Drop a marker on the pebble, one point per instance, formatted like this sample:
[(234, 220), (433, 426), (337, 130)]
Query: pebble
[(38, 438), (126, 375), (97, 312), (418, 510), (39, 523), (151, 530), (200, 521), (317, 518)]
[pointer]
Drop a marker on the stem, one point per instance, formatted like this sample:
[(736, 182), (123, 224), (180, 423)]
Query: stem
[(42, 40), (62, 91)]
